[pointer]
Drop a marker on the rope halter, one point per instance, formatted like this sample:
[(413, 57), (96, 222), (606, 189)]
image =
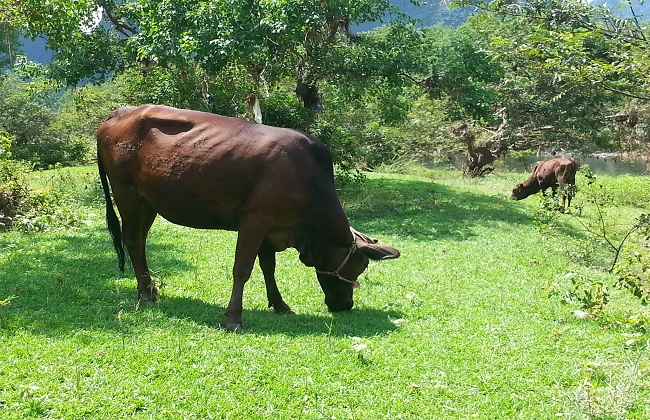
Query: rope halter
[(355, 284)]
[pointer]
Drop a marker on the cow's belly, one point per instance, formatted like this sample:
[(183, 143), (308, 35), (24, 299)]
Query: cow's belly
[(197, 220), (186, 210), (217, 189), (195, 204)]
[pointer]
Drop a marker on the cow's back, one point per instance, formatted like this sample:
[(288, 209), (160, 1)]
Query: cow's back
[(553, 171), (208, 171)]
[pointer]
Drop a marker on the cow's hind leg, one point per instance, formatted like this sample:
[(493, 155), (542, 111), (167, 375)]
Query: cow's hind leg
[(267, 264), (137, 218), (568, 190)]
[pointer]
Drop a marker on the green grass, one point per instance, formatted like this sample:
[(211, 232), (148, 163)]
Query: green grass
[(460, 326)]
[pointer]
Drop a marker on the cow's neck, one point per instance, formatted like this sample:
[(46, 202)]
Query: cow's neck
[(530, 186), (317, 245)]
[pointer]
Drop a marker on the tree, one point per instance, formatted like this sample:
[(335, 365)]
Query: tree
[(586, 44), (9, 45), (462, 71), (266, 40), (567, 66)]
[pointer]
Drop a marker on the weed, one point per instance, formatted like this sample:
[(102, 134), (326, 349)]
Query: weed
[(634, 273), (591, 296), (30, 208), (547, 214), (604, 229), (604, 393), (6, 301)]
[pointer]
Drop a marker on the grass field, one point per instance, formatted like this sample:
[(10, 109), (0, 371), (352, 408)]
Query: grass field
[(462, 325)]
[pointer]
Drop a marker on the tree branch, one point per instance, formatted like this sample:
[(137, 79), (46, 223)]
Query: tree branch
[(612, 31), (122, 28), (621, 92)]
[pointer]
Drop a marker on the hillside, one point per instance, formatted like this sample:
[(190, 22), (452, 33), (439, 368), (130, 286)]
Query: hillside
[(35, 50), (622, 9), (432, 13)]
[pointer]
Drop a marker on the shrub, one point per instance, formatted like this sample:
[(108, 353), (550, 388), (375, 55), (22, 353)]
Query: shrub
[(28, 209), (14, 194), (47, 152), (28, 117), (282, 109)]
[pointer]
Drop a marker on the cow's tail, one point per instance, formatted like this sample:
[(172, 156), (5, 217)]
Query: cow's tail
[(112, 221)]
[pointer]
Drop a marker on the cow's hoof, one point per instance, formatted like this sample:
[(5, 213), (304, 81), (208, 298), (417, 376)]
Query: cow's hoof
[(287, 312), (230, 325), (149, 296), (283, 309)]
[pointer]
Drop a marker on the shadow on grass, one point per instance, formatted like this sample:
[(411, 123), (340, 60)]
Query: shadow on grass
[(65, 284), (62, 281), (68, 282), (363, 322), (427, 210)]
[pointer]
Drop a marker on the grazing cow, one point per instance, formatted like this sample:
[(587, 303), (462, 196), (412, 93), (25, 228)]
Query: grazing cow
[(275, 186), (548, 174)]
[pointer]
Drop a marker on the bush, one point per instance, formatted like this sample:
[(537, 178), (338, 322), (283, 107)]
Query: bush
[(28, 209), (28, 117), (282, 109), (14, 194), (48, 152), (5, 146)]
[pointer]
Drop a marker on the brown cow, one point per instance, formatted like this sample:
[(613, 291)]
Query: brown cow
[(548, 174), (275, 186)]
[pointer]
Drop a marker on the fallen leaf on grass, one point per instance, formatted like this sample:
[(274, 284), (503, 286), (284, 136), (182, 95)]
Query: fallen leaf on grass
[(359, 347), (582, 314)]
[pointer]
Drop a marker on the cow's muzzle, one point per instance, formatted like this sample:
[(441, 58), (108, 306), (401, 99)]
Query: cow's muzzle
[(339, 306)]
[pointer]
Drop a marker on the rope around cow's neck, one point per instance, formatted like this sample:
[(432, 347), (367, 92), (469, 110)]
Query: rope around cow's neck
[(355, 284)]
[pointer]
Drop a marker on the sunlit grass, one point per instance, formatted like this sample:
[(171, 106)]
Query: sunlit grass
[(460, 326)]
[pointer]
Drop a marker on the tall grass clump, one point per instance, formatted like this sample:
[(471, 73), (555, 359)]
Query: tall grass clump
[(31, 208)]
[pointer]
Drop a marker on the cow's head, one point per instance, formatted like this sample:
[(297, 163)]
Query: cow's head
[(339, 278), (518, 192)]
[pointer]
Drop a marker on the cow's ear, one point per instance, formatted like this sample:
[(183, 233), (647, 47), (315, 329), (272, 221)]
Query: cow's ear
[(375, 251), (363, 236), (379, 252)]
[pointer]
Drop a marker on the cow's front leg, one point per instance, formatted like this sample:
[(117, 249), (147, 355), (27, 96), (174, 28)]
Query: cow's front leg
[(267, 264), (248, 245)]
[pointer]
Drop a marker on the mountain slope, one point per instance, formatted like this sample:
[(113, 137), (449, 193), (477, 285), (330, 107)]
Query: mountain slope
[(432, 13), (622, 9)]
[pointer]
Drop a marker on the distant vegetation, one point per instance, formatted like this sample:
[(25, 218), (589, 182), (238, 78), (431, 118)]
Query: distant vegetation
[(517, 76)]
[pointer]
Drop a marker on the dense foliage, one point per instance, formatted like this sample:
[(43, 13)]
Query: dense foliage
[(522, 75), (35, 129)]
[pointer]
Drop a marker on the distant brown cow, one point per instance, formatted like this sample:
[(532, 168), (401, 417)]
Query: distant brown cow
[(275, 186), (547, 174)]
